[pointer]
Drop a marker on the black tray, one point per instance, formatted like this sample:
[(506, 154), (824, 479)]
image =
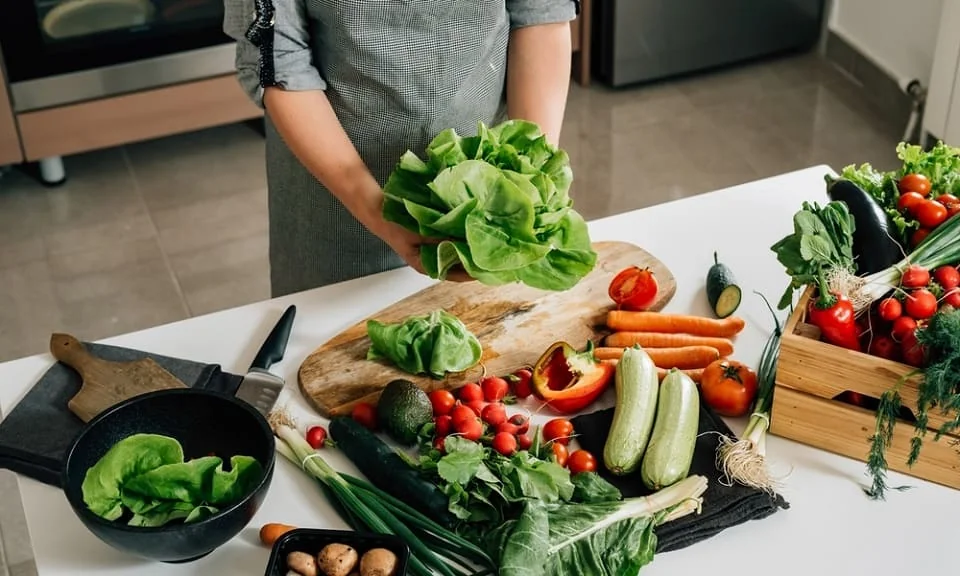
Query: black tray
[(312, 541)]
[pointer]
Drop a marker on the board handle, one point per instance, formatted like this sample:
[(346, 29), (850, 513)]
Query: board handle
[(67, 349)]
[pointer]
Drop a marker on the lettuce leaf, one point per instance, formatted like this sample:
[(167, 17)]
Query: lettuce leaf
[(500, 203)]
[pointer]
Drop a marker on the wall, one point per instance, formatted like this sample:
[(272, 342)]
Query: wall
[(900, 36)]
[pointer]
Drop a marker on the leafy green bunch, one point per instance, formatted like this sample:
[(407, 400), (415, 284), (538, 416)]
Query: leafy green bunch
[(499, 203)]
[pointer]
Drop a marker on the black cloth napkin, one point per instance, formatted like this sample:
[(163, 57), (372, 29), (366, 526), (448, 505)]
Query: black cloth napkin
[(723, 506), (35, 436)]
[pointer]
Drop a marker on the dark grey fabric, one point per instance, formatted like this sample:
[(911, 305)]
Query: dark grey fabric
[(36, 434), (723, 506), (396, 72)]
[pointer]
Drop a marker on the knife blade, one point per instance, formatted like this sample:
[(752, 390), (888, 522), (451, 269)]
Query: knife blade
[(260, 387)]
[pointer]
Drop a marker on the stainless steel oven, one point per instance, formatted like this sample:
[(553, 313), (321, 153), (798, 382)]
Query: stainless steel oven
[(63, 51)]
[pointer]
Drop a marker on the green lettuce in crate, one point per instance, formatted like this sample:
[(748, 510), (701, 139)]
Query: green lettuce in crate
[(499, 201)]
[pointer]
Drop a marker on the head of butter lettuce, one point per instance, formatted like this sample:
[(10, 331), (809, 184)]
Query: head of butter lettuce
[(499, 203)]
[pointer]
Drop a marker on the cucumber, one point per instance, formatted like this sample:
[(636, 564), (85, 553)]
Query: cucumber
[(637, 387), (386, 470), (670, 453), (722, 290)]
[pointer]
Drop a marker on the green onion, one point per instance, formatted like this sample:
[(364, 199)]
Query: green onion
[(365, 507)]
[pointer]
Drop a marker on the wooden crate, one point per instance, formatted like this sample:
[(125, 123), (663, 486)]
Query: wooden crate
[(814, 377)]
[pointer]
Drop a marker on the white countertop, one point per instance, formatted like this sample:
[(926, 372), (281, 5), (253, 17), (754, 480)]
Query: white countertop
[(831, 527)]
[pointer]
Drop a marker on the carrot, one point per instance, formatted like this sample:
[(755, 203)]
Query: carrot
[(666, 340), (270, 533), (623, 320), (684, 358), (696, 374)]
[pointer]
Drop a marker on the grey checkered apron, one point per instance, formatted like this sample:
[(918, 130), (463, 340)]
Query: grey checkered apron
[(396, 72)]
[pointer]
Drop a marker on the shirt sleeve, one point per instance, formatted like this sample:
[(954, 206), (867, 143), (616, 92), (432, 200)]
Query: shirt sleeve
[(533, 12), (273, 46)]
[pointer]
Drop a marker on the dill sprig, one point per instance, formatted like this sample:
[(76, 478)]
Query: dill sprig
[(938, 389)]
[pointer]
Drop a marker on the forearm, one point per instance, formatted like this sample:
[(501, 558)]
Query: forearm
[(538, 75), (311, 130)]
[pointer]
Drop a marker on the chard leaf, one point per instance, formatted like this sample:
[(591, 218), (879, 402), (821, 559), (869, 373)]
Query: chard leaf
[(590, 487), (525, 551)]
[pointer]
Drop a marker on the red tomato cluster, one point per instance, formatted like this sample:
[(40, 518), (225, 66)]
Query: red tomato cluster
[(917, 201)]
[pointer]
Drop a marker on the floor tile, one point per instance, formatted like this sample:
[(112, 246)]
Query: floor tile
[(16, 546), (29, 309), (212, 220)]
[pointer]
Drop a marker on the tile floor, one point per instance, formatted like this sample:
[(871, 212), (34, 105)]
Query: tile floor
[(158, 231)]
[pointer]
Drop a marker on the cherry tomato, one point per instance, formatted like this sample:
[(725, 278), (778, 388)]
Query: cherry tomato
[(952, 298), (634, 288), (521, 383), (521, 422), (947, 276), (729, 387), (890, 309), (524, 441), (504, 443), (494, 388), (508, 427), (461, 414), (558, 430), (903, 326), (442, 425), (914, 183), (907, 202), (930, 213), (443, 402), (884, 347), (915, 277), (913, 352), (470, 392), (559, 454), (316, 437), (366, 415), (494, 414), (581, 461), (470, 429), (947, 199), (920, 304), (918, 236)]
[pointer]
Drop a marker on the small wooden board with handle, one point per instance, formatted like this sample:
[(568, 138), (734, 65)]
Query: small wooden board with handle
[(107, 383), (515, 324)]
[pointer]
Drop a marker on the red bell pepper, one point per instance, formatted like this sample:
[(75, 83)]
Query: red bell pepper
[(834, 315), (569, 381)]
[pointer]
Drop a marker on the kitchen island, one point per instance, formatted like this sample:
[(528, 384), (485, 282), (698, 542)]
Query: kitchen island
[(831, 527)]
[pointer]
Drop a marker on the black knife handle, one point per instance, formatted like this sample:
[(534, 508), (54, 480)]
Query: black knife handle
[(276, 343)]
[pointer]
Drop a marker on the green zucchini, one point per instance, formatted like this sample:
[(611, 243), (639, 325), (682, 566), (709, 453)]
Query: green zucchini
[(722, 290), (637, 387), (670, 453), (386, 470)]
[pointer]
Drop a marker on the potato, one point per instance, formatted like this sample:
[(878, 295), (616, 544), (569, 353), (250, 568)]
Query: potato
[(378, 562), (337, 560), (302, 563)]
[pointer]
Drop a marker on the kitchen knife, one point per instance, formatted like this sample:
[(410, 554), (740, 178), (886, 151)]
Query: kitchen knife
[(260, 388)]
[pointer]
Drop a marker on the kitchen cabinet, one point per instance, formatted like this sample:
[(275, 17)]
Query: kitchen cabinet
[(9, 139)]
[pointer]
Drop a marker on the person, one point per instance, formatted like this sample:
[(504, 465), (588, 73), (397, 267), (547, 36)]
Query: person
[(348, 86)]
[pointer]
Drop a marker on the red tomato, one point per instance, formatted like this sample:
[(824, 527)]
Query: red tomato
[(494, 388), (915, 277), (729, 387), (947, 199), (366, 415), (521, 422), (494, 414), (930, 213), (634, 288), (918, 236), (461, 414), (884, 347), (581, 461), (903, 326), (559, 454), (914, 183), (443, 402), (952, 298), (913, 352), (443, 425), (558, 430), (947, 276), (521, 383), (890, 309), (504, 443), (470, 392), (524, 441), (920, 304), (316, 436), (908, 201)]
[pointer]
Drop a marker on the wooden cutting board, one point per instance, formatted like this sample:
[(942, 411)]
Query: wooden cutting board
[(515, 324)]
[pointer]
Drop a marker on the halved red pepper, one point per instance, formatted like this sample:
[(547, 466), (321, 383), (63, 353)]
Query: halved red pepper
[(568, 380)]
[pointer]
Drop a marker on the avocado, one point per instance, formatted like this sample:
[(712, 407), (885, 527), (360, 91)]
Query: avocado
[(722, 290), (403, 409)]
